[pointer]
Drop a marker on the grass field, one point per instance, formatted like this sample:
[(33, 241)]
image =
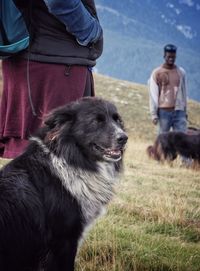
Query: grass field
[(153, 222)]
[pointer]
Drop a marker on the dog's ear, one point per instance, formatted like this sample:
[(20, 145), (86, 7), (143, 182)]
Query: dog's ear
[(60, 116)]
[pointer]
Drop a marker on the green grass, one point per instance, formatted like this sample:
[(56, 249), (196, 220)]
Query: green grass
[(153, 222)]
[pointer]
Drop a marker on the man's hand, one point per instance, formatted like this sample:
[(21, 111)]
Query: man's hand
[(155, 121)]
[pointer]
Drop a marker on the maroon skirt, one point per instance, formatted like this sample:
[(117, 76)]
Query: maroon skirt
[(30, 91)]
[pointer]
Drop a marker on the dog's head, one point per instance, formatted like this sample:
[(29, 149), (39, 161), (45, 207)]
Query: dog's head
[(92, 125)]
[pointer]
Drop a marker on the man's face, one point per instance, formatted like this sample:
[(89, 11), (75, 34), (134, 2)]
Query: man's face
[(170, 58)]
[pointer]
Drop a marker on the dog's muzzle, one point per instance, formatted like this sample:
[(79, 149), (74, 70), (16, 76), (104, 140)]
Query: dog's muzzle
[(114, 153)]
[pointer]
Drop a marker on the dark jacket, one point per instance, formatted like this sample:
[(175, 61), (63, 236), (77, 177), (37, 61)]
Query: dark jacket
[(50, 41)]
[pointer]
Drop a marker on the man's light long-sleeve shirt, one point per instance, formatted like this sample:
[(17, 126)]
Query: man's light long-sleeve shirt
[(158, 91)]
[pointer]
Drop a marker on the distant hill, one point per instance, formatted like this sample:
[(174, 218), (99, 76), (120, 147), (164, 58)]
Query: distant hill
[(136, 31), (133, 103)]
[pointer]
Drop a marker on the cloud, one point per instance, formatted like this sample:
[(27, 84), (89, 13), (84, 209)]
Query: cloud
[(186, 31), (176, 10), (168, 20), (110, 10), (197, 6), (170, 5), (125, 20), (190, 3)]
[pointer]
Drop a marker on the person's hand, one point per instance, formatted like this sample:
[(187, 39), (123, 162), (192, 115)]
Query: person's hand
[(155, 121)]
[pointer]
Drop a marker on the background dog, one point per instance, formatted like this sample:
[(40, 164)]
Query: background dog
[(168, 145), (52, 192)]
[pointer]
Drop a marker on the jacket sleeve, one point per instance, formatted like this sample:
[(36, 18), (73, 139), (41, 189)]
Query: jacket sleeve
[(153, 97), (77, 19), (184, 87)]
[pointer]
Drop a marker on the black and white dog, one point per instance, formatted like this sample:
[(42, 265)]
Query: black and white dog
[(52, 192)]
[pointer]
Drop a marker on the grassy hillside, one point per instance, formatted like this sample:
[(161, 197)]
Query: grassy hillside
[(153, 222)]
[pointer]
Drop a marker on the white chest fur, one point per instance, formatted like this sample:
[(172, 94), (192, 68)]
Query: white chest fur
[(92, 190)]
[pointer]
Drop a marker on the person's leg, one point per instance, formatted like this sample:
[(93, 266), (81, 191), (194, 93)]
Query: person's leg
[(14, 109), (14, 147), (89, 85), (2, 147), (179, 122), (165, 118), (55, 86)]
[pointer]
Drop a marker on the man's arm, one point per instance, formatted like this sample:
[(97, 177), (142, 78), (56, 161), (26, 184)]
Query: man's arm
[(153, 98), (184, 87), (77, 19)]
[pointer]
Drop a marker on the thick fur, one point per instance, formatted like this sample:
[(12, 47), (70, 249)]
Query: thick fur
[(52, 192), (169, 145)]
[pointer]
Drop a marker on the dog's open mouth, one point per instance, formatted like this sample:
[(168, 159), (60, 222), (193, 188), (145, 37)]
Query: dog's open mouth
[(109, 154)]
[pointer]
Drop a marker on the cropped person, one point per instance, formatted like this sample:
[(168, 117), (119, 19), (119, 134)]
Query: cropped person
[(66, 38)]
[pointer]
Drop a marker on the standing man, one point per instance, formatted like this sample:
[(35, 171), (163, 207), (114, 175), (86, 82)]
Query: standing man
[(168, 94)]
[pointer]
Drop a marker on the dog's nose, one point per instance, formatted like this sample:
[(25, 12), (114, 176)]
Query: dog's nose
[(122, 139)]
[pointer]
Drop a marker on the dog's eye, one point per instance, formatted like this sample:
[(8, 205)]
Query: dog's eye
[(101, 118), (116, 118)]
